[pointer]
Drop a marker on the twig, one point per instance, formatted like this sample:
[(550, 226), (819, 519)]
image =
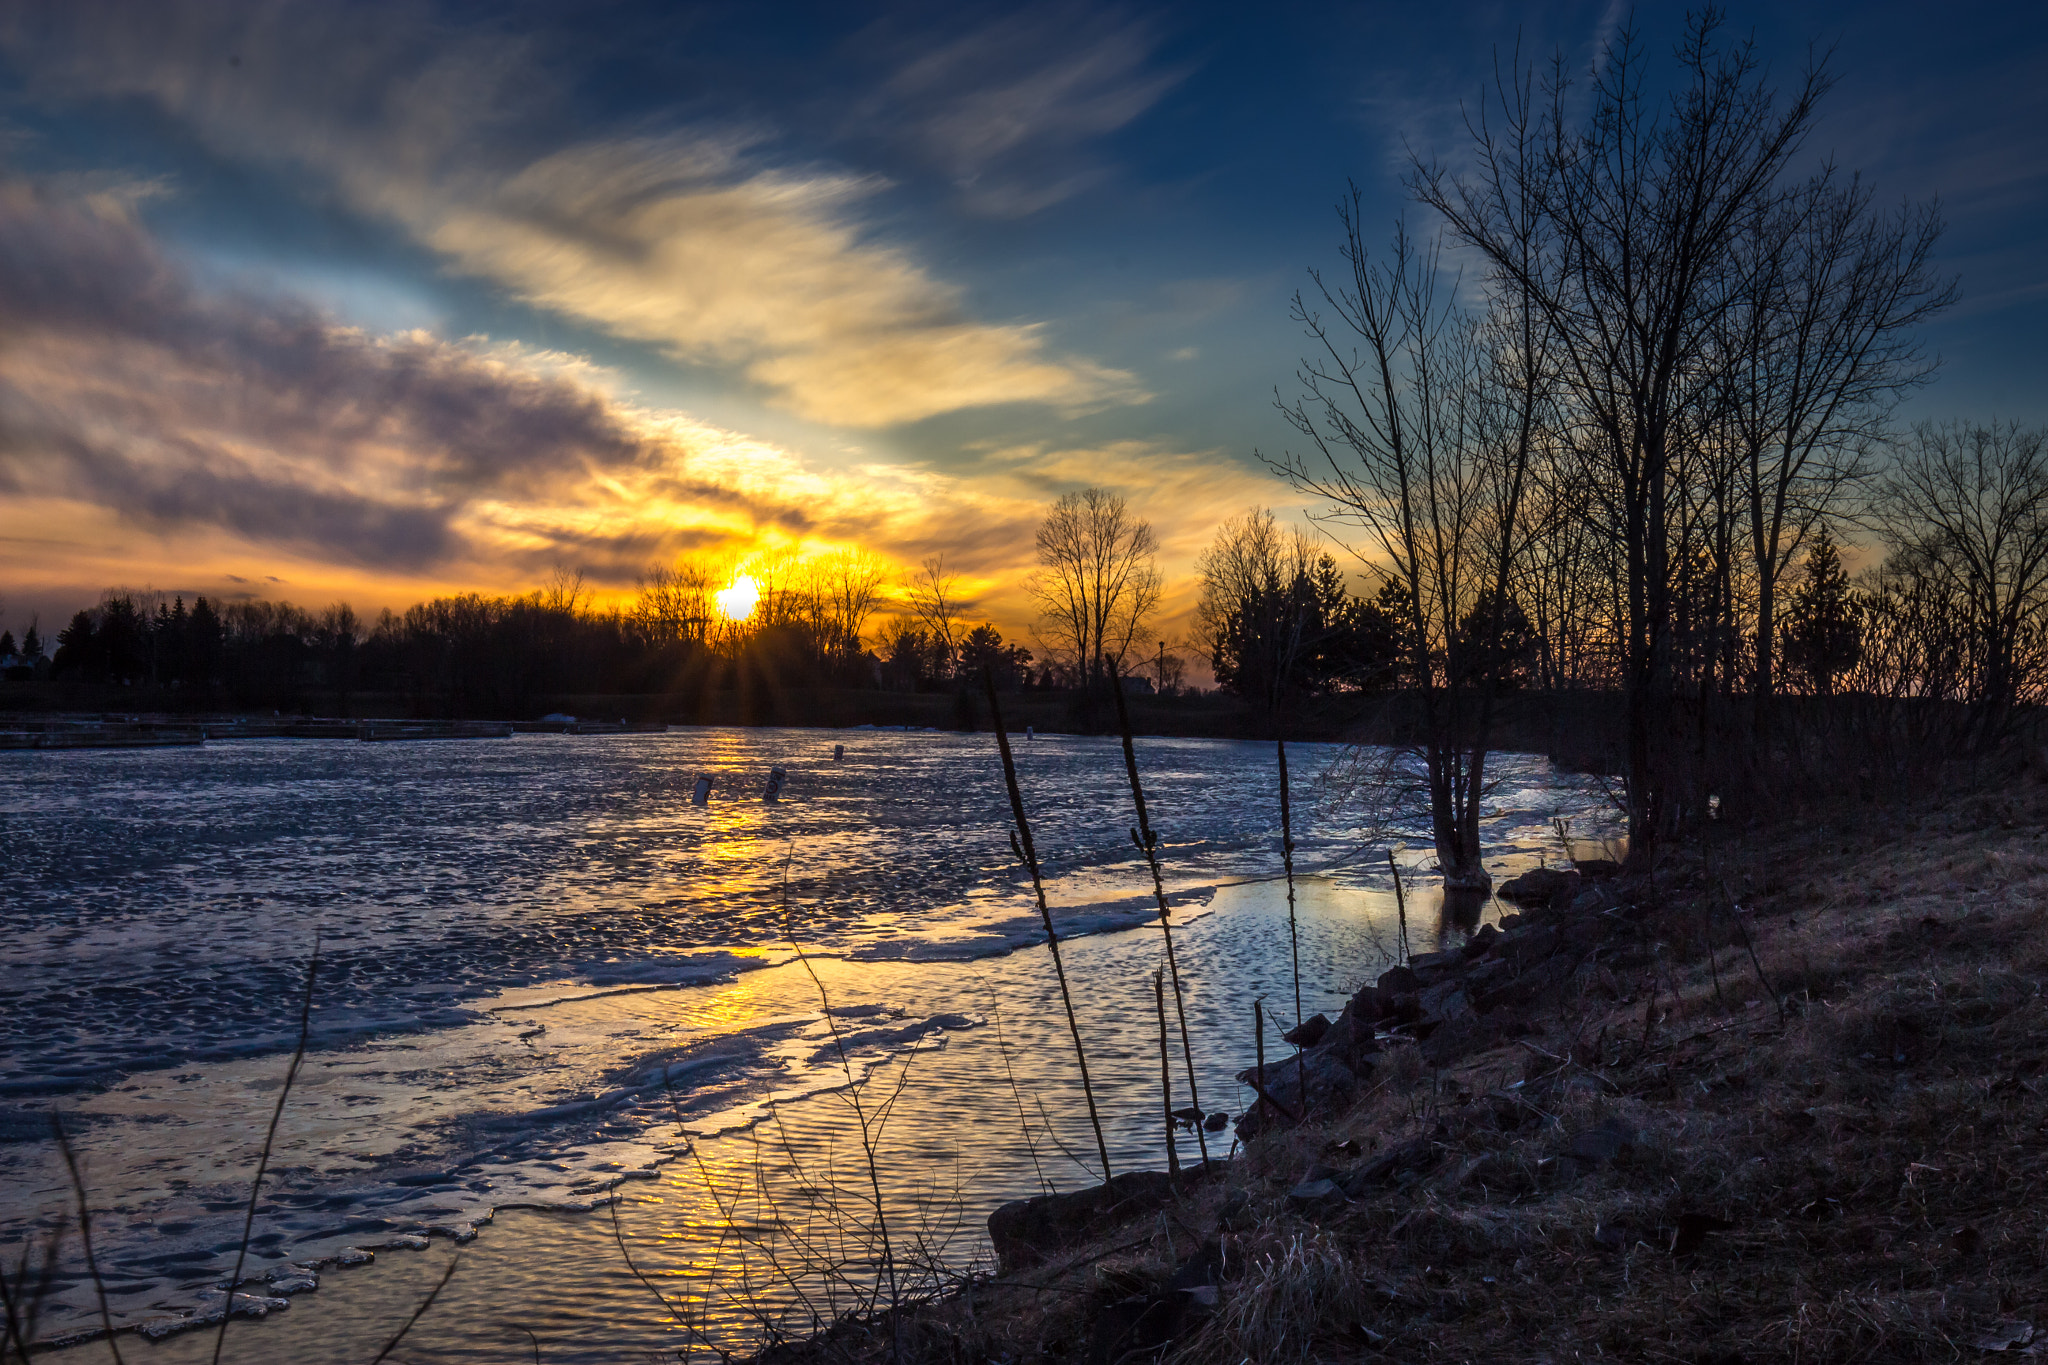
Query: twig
[(1028, 853), (1166, 1074), (868, 1139), (1003, 1049), (1147, 840), (420, 1311), (1400, 903), (1293, 936), (227, 1309), (84, 1235), (1736, 910)]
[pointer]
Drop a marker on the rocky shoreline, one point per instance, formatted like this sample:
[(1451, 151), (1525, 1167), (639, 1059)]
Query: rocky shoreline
[(1793, 1109)]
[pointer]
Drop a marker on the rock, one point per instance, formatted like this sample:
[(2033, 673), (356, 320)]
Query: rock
[(1315, 1194), (1540, 886), (1308, 1032), (408, 1241), (1528, 946), (1486, 976), (1330, 1081), (1024, 1231), (1354, 1036), (1399, 981), (1597, 867), (1445, 1001), (1216, 1122), (1527, 987), (1591, 901), (1484, 939), (1431, 967), (354, 1256), (1459, 1038)]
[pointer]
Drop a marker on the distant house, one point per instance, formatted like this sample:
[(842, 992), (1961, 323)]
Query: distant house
[(1137, 686)]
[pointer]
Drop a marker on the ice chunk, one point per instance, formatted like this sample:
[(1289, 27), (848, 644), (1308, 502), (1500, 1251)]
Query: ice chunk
[(292, 1279)]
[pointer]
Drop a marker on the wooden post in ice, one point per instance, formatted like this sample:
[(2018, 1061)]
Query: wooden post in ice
[(838, 752), (1259, 1033), (1400, 903), (774, 792), (702, 795), (1027, 853), (1165, 1070)]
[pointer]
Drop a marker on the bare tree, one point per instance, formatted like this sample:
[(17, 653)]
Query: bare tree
[(1819, 345), (1097, 585), (1622, 225), (853, 583), (674, 603), (936, 603), (1964, 512), (1422, 425)]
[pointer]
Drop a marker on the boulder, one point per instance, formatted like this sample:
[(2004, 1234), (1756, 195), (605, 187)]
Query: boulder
[(1399, 981), (1308, 1032), (1024, 1231), (1481, 941), (1456, 1039), (1353, 1036), (1432, 967), (1330, 1083), (1597, 867), (1541, 886), (1446, 1000), (1526, 947)]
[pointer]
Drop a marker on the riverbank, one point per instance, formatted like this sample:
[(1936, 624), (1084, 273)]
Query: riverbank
[(1784, 1101), (1579, 730)]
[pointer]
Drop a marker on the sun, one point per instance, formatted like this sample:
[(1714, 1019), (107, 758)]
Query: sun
[(737, 602)]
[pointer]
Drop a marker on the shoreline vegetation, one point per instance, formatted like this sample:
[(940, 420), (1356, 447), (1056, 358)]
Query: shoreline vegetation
[(1780, 1098)]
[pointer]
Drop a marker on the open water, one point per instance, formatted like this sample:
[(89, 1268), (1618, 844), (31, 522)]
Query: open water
[(559, 1022)]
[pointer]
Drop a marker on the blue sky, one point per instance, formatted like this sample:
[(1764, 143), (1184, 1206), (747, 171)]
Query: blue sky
[(374, 301)]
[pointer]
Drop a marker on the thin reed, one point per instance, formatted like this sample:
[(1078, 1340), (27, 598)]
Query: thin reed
[(1027, 853), (1147, 840)]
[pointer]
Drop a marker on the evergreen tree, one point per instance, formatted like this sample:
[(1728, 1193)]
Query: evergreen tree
[(78, 647), (8, 649), (1824, 638), (202, 645), (32, 644)]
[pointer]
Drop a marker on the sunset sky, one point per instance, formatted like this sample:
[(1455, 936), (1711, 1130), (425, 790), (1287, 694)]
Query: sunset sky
[(372, 302)]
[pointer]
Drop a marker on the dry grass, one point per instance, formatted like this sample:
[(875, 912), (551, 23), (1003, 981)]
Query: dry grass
[(1873, 1167)]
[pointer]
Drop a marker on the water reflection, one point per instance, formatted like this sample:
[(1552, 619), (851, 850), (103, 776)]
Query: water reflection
[(558, 894)]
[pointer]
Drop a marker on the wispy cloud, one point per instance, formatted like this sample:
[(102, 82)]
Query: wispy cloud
[(1008, 111), (691, 241)]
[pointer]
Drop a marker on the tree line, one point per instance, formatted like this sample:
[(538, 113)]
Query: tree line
[(1627, 459)]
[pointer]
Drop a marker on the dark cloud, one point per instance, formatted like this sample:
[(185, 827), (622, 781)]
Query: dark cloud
[(124, 384)]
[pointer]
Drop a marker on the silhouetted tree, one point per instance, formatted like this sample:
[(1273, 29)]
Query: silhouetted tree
[(1824, 637), (1096, 585)]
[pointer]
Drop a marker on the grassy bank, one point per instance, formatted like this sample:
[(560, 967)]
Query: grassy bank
[(1786, 1100)]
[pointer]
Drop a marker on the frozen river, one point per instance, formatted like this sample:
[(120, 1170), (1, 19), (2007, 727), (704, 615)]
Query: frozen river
[(545, 978)]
